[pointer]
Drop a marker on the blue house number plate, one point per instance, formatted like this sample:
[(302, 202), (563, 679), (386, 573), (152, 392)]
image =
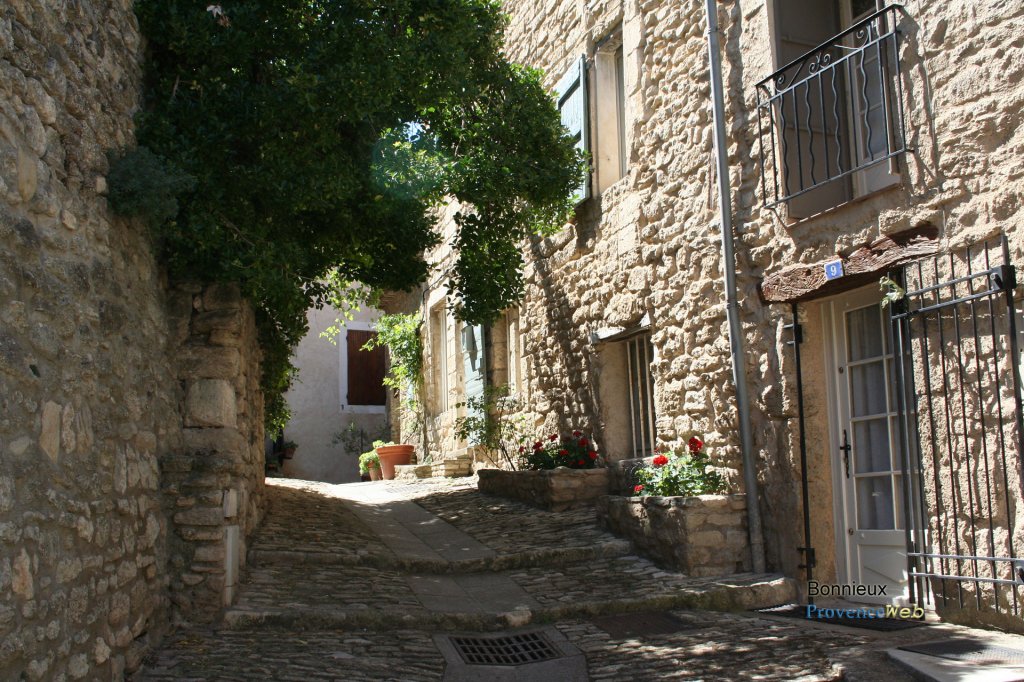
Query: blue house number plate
[(833, 270)]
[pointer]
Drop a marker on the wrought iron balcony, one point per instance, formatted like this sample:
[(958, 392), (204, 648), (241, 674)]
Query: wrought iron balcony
[(834, 111)]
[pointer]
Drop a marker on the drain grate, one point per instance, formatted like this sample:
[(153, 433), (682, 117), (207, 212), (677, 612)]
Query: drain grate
[(527, 647), (969, 651)]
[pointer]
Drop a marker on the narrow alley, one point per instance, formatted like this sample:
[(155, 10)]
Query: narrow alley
[(364, 581)]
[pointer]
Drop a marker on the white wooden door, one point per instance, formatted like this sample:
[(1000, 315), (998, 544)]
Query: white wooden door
[(870, 533)]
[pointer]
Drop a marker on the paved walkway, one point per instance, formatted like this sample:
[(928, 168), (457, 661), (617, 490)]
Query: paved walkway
[(352, 582)]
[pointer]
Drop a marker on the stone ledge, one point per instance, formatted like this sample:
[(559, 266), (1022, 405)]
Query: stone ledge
[(412, 472), (551, 489)]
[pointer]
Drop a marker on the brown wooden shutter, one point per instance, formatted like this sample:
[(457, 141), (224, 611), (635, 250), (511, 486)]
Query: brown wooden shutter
[(365, 370)]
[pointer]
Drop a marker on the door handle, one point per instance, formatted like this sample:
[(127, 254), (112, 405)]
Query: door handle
[(845, 447)]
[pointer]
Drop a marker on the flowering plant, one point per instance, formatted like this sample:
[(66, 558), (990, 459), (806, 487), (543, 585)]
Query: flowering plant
[(575, 451), (679, 473)]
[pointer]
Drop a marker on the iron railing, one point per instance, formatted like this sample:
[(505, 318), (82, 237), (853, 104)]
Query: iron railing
[(961, 434), (834, 111)]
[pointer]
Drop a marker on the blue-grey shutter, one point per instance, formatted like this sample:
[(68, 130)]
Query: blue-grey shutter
[(473, 364), (572, 105)]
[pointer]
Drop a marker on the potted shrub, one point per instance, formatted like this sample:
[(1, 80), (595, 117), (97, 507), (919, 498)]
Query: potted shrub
[(369, 465), (289, 449), (392, 455)]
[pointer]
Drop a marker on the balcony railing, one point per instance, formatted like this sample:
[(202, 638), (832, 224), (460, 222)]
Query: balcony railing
[(834, 111)]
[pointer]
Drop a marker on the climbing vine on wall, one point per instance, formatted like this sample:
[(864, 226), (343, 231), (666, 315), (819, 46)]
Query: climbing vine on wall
[(305, 138)]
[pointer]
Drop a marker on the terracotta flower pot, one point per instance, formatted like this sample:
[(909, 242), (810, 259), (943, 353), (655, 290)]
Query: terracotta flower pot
[(289, 453), (374, 473), (391, 456)]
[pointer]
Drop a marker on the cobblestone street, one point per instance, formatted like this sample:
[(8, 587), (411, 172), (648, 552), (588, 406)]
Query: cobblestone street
[(353, 582)]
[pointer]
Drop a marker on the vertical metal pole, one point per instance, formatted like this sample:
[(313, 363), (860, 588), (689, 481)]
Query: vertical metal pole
[(899, 339), (808, 549), (732, 308), (1011, 313)]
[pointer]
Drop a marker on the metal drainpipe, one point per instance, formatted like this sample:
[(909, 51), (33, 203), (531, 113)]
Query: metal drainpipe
[(732, 307)]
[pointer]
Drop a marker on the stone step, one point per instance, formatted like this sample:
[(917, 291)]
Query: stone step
[(538, 557), (735, 593)]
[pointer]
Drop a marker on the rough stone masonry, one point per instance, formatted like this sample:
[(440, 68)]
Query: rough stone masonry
[(130, 418)]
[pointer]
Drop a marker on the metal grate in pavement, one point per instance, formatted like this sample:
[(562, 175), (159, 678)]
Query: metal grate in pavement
[(969, 651), (527, 647)]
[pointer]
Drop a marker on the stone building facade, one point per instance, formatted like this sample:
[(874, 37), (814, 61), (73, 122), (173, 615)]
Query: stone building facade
[(911, 148), (130, 414)]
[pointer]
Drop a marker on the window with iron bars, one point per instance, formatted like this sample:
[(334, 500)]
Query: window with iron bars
[(831, 120), (639, 355)]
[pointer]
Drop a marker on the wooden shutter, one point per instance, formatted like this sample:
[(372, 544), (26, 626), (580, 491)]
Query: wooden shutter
[(365, 370), (473, 363), (572, 105)]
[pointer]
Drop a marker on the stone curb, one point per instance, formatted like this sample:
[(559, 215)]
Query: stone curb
[(739, 596), (541, 558)]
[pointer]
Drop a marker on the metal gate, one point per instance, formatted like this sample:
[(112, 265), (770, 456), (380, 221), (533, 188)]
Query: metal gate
[(957, 385)]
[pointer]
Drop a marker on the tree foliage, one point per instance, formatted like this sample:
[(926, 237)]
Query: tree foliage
[(317, 135)]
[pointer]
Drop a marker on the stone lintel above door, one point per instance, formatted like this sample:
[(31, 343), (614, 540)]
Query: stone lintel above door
[(807, 280)]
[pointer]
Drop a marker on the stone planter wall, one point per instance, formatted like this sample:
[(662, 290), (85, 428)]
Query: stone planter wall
[(553, 489), (700, 536)]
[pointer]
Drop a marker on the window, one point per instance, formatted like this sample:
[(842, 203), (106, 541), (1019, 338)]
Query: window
[(365, 370), (513, 351), (639, 354), (608, 149), (830, 120), (439, 357), (610, 105)]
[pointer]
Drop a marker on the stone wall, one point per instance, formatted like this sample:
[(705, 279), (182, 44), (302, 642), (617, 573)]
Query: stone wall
[(214, 484), (87, 385), (700, 536), (552, 489), (91, 388)]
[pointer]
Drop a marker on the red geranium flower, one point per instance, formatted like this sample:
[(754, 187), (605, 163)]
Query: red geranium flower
[(660, 461), (563, 452), (592, 454), (638, 488), (695, 444), (581, 462), (538, 445), (577, 433), (584, 442), (553, 436)]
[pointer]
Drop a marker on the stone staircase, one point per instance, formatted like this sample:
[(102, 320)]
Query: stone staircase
[(452, 467), (416, 570), (375, 581)]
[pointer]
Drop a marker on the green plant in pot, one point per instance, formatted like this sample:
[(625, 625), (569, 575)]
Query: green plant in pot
[(369, 465), (289, 449)]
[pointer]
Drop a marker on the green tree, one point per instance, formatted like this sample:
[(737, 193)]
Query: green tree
[(309, 140)]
